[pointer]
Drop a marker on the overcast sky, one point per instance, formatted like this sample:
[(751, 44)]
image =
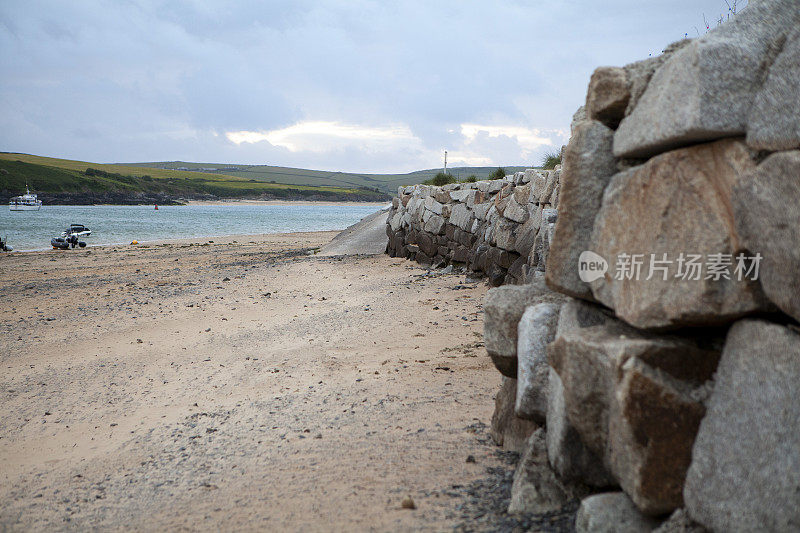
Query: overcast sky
[(348, 85)]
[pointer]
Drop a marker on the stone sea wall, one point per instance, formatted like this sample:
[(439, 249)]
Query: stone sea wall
[(653, 372), (501, 228)]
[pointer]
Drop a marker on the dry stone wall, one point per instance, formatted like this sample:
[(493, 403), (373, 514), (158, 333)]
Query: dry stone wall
[(501, 228), (657, 359), (668, 381)]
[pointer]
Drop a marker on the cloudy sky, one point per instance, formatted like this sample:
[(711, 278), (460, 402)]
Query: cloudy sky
[(351, 85)]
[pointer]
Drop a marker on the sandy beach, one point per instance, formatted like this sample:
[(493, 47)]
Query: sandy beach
[(238, 384)]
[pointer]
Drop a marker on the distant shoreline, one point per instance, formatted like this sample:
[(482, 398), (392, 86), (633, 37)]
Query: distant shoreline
[(235, 202), (285, 202), (195, 241)]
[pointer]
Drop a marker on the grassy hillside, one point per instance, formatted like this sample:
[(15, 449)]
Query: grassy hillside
[(295, 176), (65, 180), (62, 179)]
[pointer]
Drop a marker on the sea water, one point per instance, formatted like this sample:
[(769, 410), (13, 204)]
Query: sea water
[(32, 230)]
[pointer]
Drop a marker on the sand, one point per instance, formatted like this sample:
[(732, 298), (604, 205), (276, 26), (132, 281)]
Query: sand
[(237, 384)]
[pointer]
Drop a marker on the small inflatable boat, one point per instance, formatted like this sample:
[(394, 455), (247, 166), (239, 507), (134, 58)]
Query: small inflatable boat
[(64, 243)]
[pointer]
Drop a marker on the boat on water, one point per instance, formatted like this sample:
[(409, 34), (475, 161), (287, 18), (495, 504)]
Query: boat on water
[(26, 202), (70, 237), (76, 229)]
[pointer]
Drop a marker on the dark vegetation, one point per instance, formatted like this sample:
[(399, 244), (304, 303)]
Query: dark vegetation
[(443, 179), (440, 179), (550, 160), (498, 174)]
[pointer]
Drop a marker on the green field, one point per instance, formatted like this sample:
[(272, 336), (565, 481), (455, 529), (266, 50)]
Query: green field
[(296, 176)]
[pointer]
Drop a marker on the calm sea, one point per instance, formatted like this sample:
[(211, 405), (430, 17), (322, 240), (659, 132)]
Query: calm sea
[(32, 230)]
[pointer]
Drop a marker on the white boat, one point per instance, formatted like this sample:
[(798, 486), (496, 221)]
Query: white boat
[(76, 229), (26, 202)]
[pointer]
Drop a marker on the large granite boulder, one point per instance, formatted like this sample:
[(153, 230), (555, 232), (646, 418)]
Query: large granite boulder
[(427, 244), (774, 120), (706, 90), (507, 429), (505, 234), (526, 234), (680, 522), (503, 307), (568, 456), (548, 195), (766, 204), (432, 205), (652, 424), (745, 471), (515, 211), (536, 329), (640, 73), (434, 224), (611, 512), (659, 216), (608, 95), (588, 167), (536, 489), (461, 216), (537, 258), (633, 397)]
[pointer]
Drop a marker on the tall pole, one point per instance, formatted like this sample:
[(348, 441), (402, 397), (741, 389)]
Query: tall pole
[(445, 162)]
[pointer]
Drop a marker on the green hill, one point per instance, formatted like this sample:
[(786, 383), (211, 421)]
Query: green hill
[(67, 181), (60, 181), (296, 176)]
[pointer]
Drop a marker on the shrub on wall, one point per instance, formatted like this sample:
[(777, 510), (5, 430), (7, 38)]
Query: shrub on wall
[(440, 179)]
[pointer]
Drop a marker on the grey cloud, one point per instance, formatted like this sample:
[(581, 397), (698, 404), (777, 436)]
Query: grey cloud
[(156, 79)]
